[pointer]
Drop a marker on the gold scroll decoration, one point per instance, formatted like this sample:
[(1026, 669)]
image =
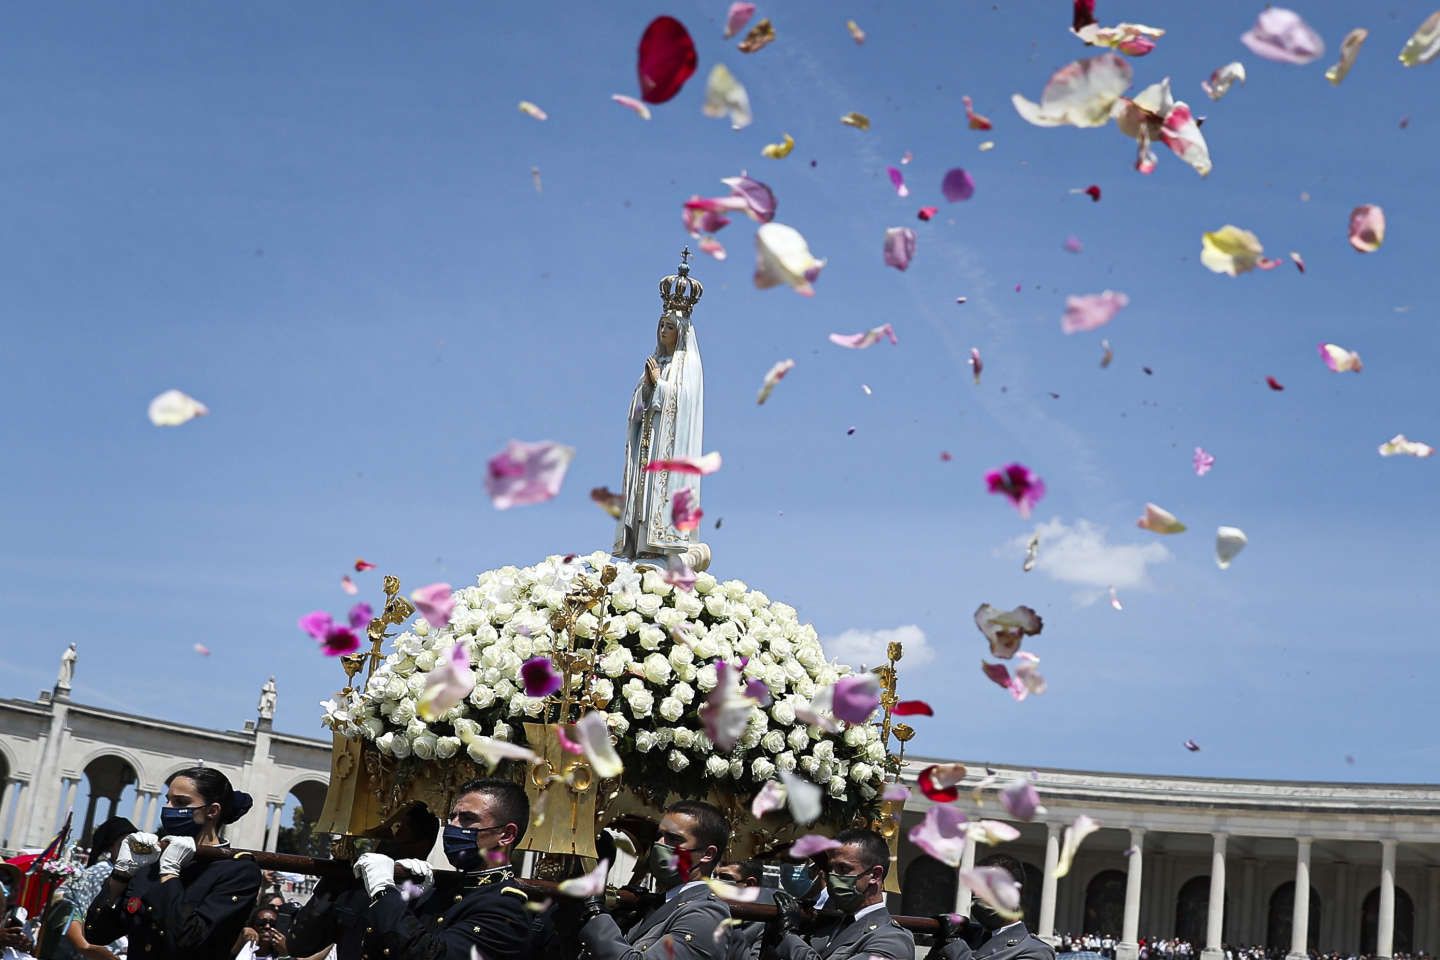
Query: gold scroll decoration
[(561, 789)]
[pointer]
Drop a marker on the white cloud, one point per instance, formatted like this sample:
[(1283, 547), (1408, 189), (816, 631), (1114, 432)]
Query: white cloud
[(867, 647), (1081, 554)]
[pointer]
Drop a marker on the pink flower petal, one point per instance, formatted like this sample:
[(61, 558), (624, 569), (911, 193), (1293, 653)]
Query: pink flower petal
[(726, 711), (1367, 228), (450, 682), (895, 793), (1115, 600), (527, 473), (1092, 310), (939, 781), (899, 247), (1399, 445), (738, 15), (361, 565), (1340, 360), (860, 341), (591, 884), (701, 466), (976, 364), (685, 512), (1299, 261), (927, 213), (941, 834), (539, 678), (995, 887), (1073, 245), (530, 109), (770, 798), (562, 736), (1221, 79), (999, 674), (340, 642), (773, 376), (759, 199), (898, 180), (317, 624), (1192, 746), (348, 585), (359, 616), (957, 185), (1016, 482), (630, 103), (1281, 35), (593, 734), (201, 649), (679, 574), (1007, 629), (666, 59), (1020, 799), (435, 603), (811, 844), (856, 33), (856, 697), (976, 121), (1203, 462)]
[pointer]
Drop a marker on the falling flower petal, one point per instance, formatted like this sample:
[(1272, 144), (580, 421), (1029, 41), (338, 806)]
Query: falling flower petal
[(172, 408), (913, 708), (1019, 484), (435, 603), (449, 683), (802, 798), (783, 256), (1074, 836), (201, 649), (1115, 600), (811, 844), (895, 793), (1021, 800), (899, 247), (362, 565), (685, 512), (1339, 359), (724, 95), (679, 574), (941, 833), (1032, 554), (976, 364), (1080, 94), (1107, 356), (1280, 35), (492, 751), (926, 213), (1073, 245), (738, 15), (727, 709), (700, 466), (857, 120), (1274, 384), (612, 503), (529, 109), (856, 33), (1367, 228), (348, 585), (1156, 115), (990, 832), (1007, 629), (527, 473), (760, 36), (1091, 310), (1131, 39), (1203, 461), (1228, 542), (939, 781), (359, 616), (1159, 520), (593, 734), (1222, 78), (996, 887), (666, 59), (1299, 261), (713, 247), (977, 122), (770, 798), (860, 341), (898, 180), (957, 185), (1233, 251), (1349, 50), (1424, 45), (1192, 746), (341, 641), (630, 103), (539, 678), (855, 697), (1399, 445), (773, 376), (317, 624), (591, 884), (779, 151)]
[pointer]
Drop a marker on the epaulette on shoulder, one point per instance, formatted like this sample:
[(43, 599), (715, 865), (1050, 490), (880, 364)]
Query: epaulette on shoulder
[(515, 891), (242, 855)]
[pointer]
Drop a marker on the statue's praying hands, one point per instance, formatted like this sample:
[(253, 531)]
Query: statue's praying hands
[(652, 371)]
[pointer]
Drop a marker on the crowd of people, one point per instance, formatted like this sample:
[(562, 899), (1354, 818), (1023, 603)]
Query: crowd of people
[(1174, 948)]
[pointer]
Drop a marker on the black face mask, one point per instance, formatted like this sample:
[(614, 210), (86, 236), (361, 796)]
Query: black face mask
[(179, 822), (460, 848), (985, 915)]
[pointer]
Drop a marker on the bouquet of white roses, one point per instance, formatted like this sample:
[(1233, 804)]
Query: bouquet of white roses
[(656, 649)]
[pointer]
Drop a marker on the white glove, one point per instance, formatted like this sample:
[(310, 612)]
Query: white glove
[(377, 871), (179, 851), (137, 852), (423, 874)]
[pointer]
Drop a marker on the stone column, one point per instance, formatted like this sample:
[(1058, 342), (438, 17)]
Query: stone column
[(272, 825), (1432, 910), (9, 804), (146, 823), (1245, 933), (1047, 883), (1215, 918), (1385, 930), (1129, 946), (71, 786), (135, 811), (1337, 917), (1300, 919), (962, 893), (90, 809)]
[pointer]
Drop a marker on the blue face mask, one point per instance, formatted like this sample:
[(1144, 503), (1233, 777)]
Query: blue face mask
[(179, 822), (461, 849)]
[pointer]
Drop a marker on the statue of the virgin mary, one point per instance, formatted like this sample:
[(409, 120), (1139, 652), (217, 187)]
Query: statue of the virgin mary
[(666, 418)]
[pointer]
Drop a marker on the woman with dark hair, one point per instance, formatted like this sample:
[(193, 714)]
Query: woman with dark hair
[(170, 906)]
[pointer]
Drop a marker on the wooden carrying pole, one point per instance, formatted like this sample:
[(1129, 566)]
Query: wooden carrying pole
[(541, 889)]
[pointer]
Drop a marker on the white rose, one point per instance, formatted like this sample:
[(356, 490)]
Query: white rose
[(617, 724), (373, 727), (385, 743), (854, 736), (645, 741), (681, 655), (783, 713), (426, 660), (704, 583), (670, 618), (400, 747), (671, 709), (683, 692), (689, 604), (716, 605), (685, 738), (396, 688), (613, 664), (534, 706), (773, 742), (648, 604), (651, 637), (810, 656), (585, 626), (747, 646), (875, 750), (737, 769), (664, 736), (415, 686), (677, 761), (447, 747), (785, 761), (502, 612), (654, 583), (762, 769), (794, 670), (501, 730), (836, 788), (706, 679), (798, 739), (603, 689), (807, 688), (716, 767), (707, 648), (622, 602), (657, 668), (403, 713), (775, 678), (466, 729), (421, 627), (826, 771), (424, 745), (640, 701), (860, 772), (482, 696), (825, 751), (505, 689), (808, 765)]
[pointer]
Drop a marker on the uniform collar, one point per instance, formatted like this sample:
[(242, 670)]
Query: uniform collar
[(675, 891), (870, 909), (485, 878)]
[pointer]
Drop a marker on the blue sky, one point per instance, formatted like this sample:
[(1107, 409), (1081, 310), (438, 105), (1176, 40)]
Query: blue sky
[(320, 221)]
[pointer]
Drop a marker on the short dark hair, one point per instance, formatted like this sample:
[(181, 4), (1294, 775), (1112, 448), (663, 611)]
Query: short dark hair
[(511, 804), (874, 851), (109, 833), (1007, 863), (752, 869), (711, 827), (215, 787)]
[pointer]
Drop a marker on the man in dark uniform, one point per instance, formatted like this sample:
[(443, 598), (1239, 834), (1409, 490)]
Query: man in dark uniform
[(985, 935), (478, 908), (335, 912), (742, 941), (691, 840), (855, 885)]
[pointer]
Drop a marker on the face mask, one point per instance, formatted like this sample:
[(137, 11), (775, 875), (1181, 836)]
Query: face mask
[(983, 914), (844, 891), (665, 864), (460, 848), (179, 822)]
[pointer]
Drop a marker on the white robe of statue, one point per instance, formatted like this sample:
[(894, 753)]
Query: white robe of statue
[(665, 423)]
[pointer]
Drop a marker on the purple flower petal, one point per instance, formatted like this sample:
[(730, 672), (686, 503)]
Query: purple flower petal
[(360, 615), (526, 473), (435, 603), (539, 677), (317, 624), (856, 697), (899, 247), (340, 641), (957, 185)]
